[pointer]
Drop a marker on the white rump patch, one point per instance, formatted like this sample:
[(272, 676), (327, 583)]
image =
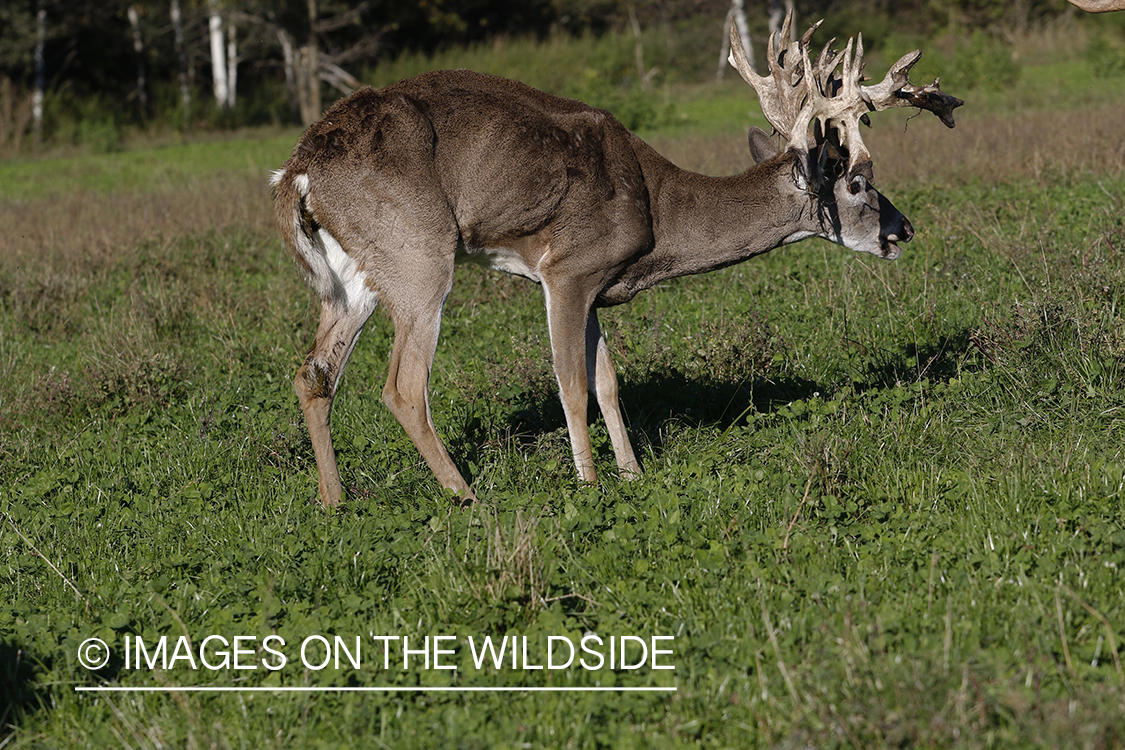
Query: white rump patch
[(332, 272), (348, 282)]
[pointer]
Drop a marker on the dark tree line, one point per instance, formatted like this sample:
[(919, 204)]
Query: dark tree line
[(196, 58)]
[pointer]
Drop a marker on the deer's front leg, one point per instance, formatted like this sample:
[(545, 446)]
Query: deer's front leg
[(601, 379), (567, 311)]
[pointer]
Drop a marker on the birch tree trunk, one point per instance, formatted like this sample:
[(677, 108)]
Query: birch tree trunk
[(139, 50), (218, 55), (40, 73), (181, 57), (737, 16), (232, 65), (738, 12)]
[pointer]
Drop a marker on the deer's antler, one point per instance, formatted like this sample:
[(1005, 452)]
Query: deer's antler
[(782, 94), (797, 92)]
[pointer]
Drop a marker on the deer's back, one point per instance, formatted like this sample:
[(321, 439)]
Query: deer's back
[(507, 158)]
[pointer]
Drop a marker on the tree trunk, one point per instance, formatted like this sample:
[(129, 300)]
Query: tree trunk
[(737, 16), (639, 50), (181, 58), (738, 11), (40, 73), (218, 56), (139, 49), (232, 65), (308, 83), (308, 72), (290, 65)]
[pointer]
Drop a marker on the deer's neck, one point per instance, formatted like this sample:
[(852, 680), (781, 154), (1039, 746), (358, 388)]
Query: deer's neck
[(703, 223)]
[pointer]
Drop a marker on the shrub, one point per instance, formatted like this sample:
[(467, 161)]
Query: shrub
[(1105, 58), (983, 61)]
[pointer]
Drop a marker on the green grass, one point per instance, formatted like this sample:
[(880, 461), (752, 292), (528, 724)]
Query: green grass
[(881, 505), (143, 169)]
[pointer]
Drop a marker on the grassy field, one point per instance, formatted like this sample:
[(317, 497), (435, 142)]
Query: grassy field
[(882, 502)]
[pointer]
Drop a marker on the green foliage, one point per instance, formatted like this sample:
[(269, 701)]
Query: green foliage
[(1105, 58), (598, 70), (962, 61), (91, 123), (983, 61), (635, 108), (100, 136)]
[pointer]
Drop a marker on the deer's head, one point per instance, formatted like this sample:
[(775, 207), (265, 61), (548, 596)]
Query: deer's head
[(817, 109)]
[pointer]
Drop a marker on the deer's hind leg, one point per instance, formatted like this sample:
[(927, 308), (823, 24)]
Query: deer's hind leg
[(317, 379), (415, 304)]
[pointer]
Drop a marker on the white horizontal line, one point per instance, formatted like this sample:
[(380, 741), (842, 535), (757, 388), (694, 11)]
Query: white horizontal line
[(329, 689)]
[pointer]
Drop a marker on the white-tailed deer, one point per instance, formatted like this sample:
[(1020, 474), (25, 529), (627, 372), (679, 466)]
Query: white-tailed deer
[(393, 188)]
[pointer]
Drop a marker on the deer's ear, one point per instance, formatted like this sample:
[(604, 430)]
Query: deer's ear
[(762, 147)]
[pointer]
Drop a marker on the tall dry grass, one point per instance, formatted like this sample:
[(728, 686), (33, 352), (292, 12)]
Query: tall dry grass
[(15, 116), (1037, 146), (1034, 145), (79, 228)]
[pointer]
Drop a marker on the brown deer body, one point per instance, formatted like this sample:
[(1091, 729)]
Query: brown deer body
[(393, 188)]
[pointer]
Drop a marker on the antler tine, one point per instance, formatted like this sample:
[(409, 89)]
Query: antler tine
[(895, 90), (808, 34), (852, 110), (782, 94), (822, 58), (826, 68), (827, 88), (853, 68), (737, 58)]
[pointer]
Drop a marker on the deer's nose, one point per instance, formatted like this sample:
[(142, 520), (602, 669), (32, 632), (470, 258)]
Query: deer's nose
[(904, 232)]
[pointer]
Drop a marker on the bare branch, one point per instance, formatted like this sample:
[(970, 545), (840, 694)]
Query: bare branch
[(340, 20), (338, 78)]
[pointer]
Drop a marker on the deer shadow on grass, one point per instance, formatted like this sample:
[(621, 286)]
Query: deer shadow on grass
[(658, 399), (909, 362), (663, 399), (650, 404)]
